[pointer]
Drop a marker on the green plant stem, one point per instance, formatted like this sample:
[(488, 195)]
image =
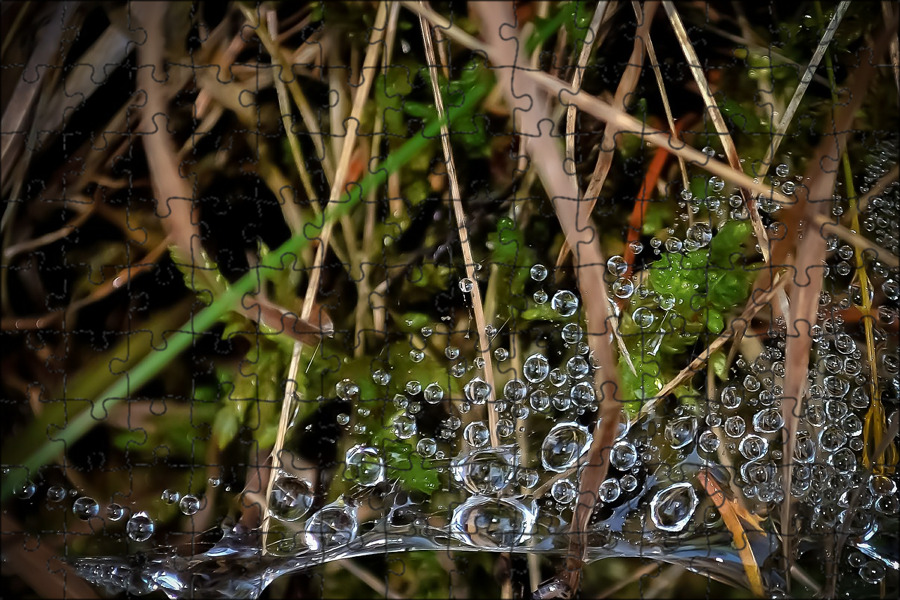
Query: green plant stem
[(281, 258)]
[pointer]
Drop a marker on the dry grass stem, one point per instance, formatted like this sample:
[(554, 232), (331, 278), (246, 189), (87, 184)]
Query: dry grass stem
[(657, 72), (712, 109), (583, 56), (484, 344), (805, 80), (337, 189), (740, 523), (582, 237)]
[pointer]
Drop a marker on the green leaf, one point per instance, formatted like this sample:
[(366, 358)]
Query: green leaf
[(225, 426)]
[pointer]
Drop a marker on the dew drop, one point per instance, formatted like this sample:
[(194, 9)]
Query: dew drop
[(189, 505), (671, 509), (564, 445), (85, 508), (365, 466), (140, 527), (291, 497), (565, 303)]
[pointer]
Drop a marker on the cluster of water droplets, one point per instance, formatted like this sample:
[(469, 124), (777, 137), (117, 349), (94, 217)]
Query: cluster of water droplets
[(507, 451)]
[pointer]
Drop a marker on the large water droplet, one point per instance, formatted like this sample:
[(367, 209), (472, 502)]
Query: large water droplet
[(493, 523), (563, 446), (671, 508), (681, 432), (85, 508), (565, 303), (536, 368), (189, 505), (140, 527), (486, 471), (364, 465), (477, 391), (477, 434), (291, 497), (334, 525)]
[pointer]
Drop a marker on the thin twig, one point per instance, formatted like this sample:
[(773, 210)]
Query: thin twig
[(484, 345)]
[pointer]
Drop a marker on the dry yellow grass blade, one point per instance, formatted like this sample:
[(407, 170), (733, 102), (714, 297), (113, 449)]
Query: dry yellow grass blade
[(484, 344), (739, 522)]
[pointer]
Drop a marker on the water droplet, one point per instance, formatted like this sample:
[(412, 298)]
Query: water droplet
[(564, 445), (501, 354), (381, 377), (493, 523), (170, 496), (708, 441), (346, 390), (56, 493), (334, 525), (115, 512), (26, 490), (140, 527), (681, 432), (617, 265), (342, 418), (451, 352), (539, 400), (538, 272), (477, 391), (416, 355), (571, 333), (753, 447), (643, 317), (536, 368), (671, 509), (404, 427), (426, 447), (565, 303), (540, 296), (85, 508), (214, 481), (291, 497), (433, 393), (189, 505), (623, 287), (700, 233), (487, 470), (609, 491), (466, 285), (564, 491), (782, 170), (673, 244), (413, 387), (623, 455), (515, 390), (364, 465), (477, 434), (577, 367)]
